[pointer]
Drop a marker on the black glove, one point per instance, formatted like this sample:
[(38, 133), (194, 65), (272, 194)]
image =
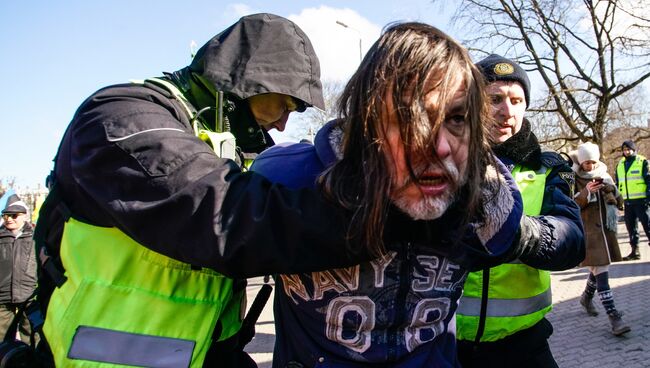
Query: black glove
[(529, 237)]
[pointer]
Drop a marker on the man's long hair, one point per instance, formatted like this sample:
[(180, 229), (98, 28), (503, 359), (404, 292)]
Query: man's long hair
[(397, 66)]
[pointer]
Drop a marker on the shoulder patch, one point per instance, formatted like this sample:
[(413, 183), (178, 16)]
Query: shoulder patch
[(553, 159), (570, 178)]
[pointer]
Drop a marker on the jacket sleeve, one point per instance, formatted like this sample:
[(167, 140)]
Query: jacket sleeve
[(582, 197), (130, 160), (555, 239)]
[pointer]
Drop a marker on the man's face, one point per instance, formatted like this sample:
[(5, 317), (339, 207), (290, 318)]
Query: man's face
[(508, 107), (271, 110), (14, 221), (627, 152), (429, 196)]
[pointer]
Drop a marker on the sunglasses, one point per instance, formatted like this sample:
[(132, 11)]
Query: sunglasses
[(12, 215)]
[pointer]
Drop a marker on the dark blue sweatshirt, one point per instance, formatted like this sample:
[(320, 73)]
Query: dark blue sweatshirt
[(395, 311)]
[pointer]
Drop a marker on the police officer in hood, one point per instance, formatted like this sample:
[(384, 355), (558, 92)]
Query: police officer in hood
[(150, 228), (266, 68)]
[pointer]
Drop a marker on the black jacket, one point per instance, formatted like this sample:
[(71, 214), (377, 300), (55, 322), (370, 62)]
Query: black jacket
[(130, 159), (17, 265)]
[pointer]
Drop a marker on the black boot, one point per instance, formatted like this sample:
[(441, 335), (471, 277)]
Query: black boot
[(587, 302), (634, 255)]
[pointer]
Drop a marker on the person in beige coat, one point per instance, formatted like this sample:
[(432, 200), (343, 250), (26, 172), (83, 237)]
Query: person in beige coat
[(599, 202)]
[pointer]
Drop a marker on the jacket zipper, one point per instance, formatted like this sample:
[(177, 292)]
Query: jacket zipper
[(603, 222), (400, 300)]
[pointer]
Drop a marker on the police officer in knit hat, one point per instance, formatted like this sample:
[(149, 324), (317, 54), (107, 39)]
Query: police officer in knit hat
[(505, 327), (498, 68), (633, 182)]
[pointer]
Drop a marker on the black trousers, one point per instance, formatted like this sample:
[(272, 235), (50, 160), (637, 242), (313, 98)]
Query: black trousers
[(528, 348), (636, 210)]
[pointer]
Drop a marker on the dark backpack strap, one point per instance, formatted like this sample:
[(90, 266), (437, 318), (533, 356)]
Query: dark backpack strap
[(47, 235), (247, 330), (484, 301)]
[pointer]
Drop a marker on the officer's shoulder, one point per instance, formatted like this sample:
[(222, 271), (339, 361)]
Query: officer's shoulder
[(553, 159), (286, 151), (294, 164)]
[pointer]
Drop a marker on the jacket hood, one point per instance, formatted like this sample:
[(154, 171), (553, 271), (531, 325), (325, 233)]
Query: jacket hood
[(262, 53), (328, 143)]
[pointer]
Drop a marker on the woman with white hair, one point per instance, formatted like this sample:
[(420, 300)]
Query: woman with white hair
[(598, 199)]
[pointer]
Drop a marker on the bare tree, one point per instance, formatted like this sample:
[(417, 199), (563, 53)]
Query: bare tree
[(6, 184), (313, 118), (588, 53)]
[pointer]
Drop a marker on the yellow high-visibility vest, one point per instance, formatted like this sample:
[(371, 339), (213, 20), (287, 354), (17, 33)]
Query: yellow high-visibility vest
[(631, 183), (518, 295), (123, 304)]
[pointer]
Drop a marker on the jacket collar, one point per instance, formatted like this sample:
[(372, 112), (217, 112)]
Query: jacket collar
[(522, 148)]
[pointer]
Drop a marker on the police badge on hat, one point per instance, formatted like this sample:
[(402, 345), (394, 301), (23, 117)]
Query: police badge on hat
[(504, 69)]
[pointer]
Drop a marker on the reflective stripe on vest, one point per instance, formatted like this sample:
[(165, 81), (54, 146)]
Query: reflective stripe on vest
[(150, 310), (631, 184), (519, 295)]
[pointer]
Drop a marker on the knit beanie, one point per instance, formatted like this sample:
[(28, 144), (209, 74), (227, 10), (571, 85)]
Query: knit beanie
[(629, 144), (497, 68), (588, 151), (15, 205)]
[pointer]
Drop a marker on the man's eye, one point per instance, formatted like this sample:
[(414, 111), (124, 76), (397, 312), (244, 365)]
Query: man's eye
[(455, 123), (495, 100), (516, 101)]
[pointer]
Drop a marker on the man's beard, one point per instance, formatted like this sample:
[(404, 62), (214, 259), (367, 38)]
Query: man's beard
[(432, 207)]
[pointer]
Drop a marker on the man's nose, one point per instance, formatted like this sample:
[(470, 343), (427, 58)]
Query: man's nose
[(506, 108), (281, 123), (443, 147)]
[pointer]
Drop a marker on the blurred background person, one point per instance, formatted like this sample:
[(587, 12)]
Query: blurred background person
[(633, 182), (599, 201), (17, 266)]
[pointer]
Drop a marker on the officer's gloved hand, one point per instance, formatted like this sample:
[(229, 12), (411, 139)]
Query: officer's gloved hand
[(529, 238), (503, 208)]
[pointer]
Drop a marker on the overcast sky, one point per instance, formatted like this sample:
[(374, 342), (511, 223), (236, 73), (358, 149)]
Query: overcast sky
[(56, 53)]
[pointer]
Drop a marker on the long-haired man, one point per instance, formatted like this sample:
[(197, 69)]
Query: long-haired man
[(409, 144)]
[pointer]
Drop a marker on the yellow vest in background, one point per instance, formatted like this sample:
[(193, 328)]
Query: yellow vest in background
[(631, 183)]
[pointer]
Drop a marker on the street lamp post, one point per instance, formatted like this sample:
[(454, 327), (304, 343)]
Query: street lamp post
[(354, 29)]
